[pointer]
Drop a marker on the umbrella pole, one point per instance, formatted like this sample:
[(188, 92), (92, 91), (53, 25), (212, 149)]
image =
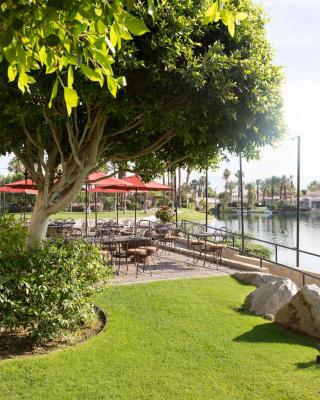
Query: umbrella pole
[(86, 215), (117, 207), (24, 208), (135, 212), (175, 198), (95, 209)]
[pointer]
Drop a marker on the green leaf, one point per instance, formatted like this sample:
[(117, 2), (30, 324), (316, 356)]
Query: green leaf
[(112, 86), (54, 92), (225, 16), (110, 45), (241, 16), (10, 54), (135, 25), (12, 73), (231, 24), (71, 98), (92, 75), (70, 76), (211, 13), (23, 81), (114, 34), (151, 9)]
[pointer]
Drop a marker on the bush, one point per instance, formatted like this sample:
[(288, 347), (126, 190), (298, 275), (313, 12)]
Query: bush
[(46, 290), (165, 214)]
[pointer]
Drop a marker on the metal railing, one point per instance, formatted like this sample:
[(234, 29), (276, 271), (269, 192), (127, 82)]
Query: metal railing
[(189, 226)]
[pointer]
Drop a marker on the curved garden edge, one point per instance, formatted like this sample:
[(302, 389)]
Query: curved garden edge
[(13, 346)]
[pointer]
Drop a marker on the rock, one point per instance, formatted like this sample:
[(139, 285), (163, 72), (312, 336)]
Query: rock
[(257, 278), (270, 297), (268, 317), (302, 313)]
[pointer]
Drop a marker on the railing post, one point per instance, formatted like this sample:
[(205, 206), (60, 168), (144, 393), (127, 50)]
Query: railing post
[(298, 205), (276, 253)]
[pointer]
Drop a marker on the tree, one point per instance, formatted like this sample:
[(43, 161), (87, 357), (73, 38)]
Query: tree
[(251, 193), (258, 184), (238, 176), (313, 186), (61, 54), (226, 175), (231, 186), (16, 166)]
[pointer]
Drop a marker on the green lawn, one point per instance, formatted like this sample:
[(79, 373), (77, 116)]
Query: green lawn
[(183, 213), (173, 340)]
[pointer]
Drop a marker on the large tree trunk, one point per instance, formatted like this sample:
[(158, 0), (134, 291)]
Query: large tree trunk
[(39, 222)]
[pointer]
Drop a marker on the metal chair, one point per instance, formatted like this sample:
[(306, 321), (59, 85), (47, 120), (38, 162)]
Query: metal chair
[(118, 253)]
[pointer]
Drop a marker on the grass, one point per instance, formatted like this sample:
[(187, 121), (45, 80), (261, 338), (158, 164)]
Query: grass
[(173, 340), (183, 213)]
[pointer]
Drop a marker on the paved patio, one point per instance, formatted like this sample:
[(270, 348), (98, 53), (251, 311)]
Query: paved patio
[(175, 266)]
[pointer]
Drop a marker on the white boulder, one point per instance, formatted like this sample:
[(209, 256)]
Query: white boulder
[(271, 296), (302, 313), (257, 278)]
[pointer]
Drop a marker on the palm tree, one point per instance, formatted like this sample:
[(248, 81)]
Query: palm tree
[(291, 188), (313, 186), (194, 187), (258, 183), (237, 175), (251, 193), (231, 186), (226, 175), (16, 166), (202, 185)]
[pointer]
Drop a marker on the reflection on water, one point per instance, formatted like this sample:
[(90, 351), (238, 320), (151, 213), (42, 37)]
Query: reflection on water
[(281, 229)]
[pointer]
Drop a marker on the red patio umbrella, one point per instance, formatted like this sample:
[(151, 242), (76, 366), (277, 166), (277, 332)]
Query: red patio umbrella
[(140, 185), (9, 189), (23, 184)]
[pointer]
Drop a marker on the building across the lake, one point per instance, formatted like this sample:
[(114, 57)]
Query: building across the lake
[(308, 201)]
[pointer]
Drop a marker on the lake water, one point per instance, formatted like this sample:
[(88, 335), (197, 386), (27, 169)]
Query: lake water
[(280, 229)]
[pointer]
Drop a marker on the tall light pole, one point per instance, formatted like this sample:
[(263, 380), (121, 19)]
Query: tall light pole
[(241, 200), (298, 204), (206, 198)]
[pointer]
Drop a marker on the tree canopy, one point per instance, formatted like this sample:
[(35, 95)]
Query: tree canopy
[(192, 87)]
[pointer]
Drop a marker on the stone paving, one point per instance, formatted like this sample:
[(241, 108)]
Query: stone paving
[(175, 266)]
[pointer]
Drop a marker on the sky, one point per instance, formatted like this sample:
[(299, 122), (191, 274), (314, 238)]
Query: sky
[(294, 32)]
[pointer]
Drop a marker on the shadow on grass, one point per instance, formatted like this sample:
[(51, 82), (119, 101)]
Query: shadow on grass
[(271, 333), (309, 364)]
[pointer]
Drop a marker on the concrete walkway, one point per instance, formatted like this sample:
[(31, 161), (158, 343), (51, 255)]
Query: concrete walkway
[(175, 266)]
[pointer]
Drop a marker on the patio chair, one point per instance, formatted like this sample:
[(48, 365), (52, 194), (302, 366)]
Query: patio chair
[(118, 253), (153, 252), (197, 243)]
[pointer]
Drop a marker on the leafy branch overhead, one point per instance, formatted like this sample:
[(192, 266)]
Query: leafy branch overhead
[(219, 10), (64, 35)]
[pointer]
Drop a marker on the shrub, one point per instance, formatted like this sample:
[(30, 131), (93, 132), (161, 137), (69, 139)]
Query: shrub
[(46, 290), (165, 214)]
